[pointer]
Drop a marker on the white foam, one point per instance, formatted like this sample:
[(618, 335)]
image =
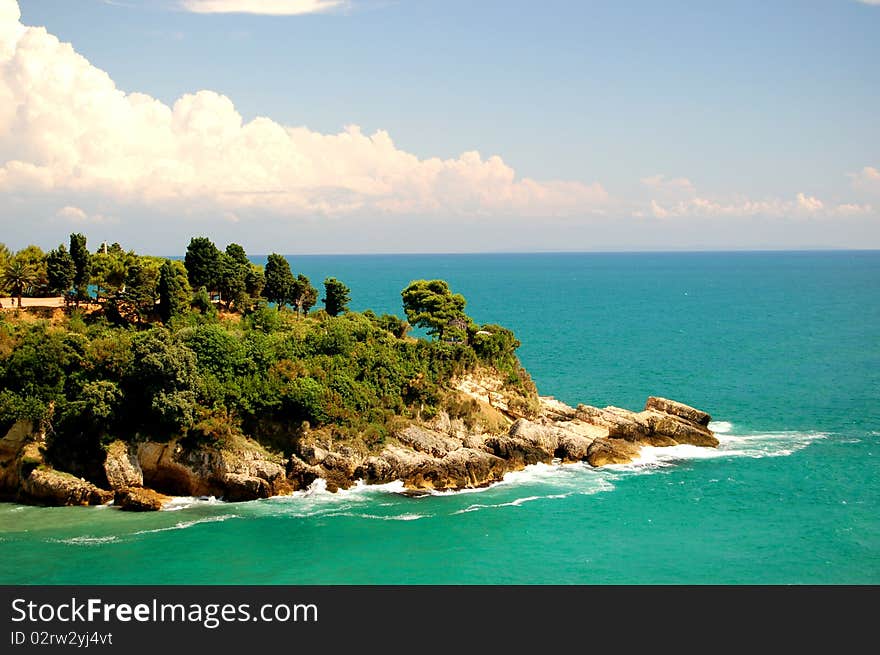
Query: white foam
[(773, 444), (183, 525), (86, 540), (178, 503), (379, 517), (768, 444), (513, 503), (721, 427)]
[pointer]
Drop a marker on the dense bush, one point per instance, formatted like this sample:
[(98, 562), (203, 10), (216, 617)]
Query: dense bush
[(270, 373)]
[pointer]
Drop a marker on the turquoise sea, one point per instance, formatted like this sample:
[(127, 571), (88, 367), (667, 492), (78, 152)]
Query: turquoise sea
[(783, 349)]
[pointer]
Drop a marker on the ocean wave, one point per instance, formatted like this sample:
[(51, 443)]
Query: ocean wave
[(85, 540), (379, 517), (768, 444), (317, 501), (756, 446), (721, 427), (517, 502), (183, 525), (178, 503)]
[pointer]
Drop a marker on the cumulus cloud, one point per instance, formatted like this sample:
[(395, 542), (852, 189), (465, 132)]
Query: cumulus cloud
[(73, 214), (802, 205), (199, 152), (77, 216), (668, 185), (867, 179), (267, 7)]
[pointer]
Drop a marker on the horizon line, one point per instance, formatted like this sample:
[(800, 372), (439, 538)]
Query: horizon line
[(552, 252)]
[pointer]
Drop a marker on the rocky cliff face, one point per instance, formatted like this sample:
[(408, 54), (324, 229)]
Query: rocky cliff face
[(443, 454), (25, 476)]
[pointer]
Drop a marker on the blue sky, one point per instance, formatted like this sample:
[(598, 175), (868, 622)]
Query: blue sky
[(613, 125)]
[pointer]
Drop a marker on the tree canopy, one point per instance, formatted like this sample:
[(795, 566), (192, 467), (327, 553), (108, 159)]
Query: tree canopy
[(279, 280), (82, 276), (204, 263), (60, 270), (336, 296), (431, 305)]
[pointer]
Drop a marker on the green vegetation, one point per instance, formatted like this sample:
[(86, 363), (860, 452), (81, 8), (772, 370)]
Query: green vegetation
[(151, 358), (336, 296)]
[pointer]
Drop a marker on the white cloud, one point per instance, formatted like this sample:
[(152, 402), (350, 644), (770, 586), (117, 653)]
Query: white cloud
[(199, 154), (801, 206), (267, 7), (71, 214), (666, 185), (867, 179), (809, 204), (870, 2)]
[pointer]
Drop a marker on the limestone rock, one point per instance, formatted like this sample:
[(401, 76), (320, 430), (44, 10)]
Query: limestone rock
[(122, 467), (300, 474), (573, 447), (460, 469), (138, 499), (543, 437), (682, 431), (556, 410), (676, 408), (50, 487), (518, 452), (426, 441), (611, 451), (229, 472), (240, 487), (12, 446)]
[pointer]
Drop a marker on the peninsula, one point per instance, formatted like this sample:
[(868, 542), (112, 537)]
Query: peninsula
[(129, 379)]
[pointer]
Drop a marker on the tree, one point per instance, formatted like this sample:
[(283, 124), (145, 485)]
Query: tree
[(303, 295), (160, 383), (174, 290), (60, 270), (109, 270), (336, 296), (34, 258), (201, 301), (82, 263), (18, 277), (431, 305), (203, 263), (234, 269), (138, 299), (255, 281), (279, 280), (5, 256)]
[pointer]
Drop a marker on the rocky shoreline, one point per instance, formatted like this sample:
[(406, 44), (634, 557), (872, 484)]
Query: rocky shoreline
[(441, 454)]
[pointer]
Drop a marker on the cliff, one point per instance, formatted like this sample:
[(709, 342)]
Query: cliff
[(501, 432)]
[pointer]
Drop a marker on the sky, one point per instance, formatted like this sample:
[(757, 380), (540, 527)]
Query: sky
[(381, 126)]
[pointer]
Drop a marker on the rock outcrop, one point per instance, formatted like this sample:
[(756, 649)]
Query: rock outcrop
[(138, 499), (122, 468), (241, 472), (441, 454), (26, 477), (47, 486)]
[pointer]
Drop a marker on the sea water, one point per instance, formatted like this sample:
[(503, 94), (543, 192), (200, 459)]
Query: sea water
[(783, 349)]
